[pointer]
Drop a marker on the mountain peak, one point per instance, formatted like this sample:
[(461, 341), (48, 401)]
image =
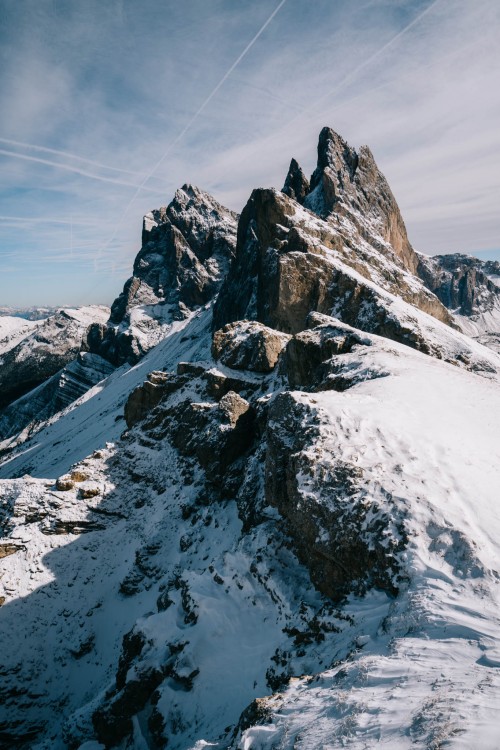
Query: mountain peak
[(296, 184), (186, 250), (348, 183), (334, 153)]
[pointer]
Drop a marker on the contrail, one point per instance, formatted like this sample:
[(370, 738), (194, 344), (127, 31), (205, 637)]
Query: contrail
[(373, 57), (76, 170), (57, 152), (194, 118), (212, 94), (45, 220)]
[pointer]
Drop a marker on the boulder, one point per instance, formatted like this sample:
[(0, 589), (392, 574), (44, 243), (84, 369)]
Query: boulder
[(145, 397), (233, 407), (308, 356), (248, 345)]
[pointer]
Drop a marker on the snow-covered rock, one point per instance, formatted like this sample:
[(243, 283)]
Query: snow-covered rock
[(248, 345), (279, 526), (470, 289), (24, 416), (49, 345), (185, 254), (12, 331), (289, 262)]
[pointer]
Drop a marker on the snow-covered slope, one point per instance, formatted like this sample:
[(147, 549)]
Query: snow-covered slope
[(12, 330), (221, 613), (185, 254), (277, 527), (48, 346), (426, 671), (97, 416)]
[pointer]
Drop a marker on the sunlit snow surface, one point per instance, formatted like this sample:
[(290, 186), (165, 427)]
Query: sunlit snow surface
[(430, 673), (418, 671), (12, 331), (97, 417)]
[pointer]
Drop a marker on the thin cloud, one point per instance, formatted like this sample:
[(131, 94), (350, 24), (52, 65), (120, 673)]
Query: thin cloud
[(198, 112), (417, 81), (375, 56), (75, 170), (46, 220), (57, 152)]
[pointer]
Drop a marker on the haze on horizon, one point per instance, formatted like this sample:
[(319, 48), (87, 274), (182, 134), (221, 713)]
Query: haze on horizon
[(106, 109)]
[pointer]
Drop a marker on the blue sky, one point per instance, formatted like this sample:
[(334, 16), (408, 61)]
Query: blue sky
[(107, 108)]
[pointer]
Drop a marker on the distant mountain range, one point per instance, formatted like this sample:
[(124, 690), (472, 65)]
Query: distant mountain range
[(28, 313)]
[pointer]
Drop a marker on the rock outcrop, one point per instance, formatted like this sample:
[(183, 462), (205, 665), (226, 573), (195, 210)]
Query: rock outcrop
[(464, 284), (340, 537), (289, 263), (26, 413), (331, 248), (248, 345), (311, 356), (185, 254), (145, 397), (349, 184), (296, 183), (49, 347)]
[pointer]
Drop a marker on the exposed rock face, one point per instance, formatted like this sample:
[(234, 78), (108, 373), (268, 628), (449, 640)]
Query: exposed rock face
[(50, 346), (310, 357), (248, 345), (145, 397), (291, 260), (289, 263), (462, 283), (185, 254), (58, 392), (347, 183), (186, 250), (296, 184), (215, 434), (470, 289), (324, 506)]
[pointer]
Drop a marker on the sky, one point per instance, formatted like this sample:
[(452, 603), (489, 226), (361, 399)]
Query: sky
[(106, 108)]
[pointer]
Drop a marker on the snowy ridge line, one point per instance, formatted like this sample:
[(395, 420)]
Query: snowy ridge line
[(260, 508)]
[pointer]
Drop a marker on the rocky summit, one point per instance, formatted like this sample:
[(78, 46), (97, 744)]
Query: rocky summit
[(186, 251), (255, 505)]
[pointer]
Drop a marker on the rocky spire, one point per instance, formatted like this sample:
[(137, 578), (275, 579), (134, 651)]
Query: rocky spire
[(285, 263), (296, 184), (349, 183)]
